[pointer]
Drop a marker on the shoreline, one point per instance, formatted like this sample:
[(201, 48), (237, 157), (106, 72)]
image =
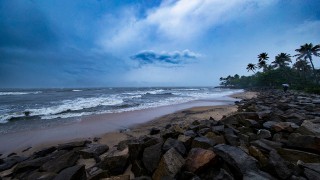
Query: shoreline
[(89, 127)]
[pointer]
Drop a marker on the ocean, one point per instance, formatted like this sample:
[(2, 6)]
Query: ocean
[(32, 108)]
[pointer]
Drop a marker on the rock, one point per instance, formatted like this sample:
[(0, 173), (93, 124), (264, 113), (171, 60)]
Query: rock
[(170, 164), (44, 152), (263, 134), (173, 143), (93, 150), (42, 175), (256, 153), (293, 156), (116, 164), (120, 177), (9, 162), (135, 150), (151, 157), (232, 139), (306, 142), (186, 140), (71, 145), (311, 174), (277, 166), (72, 173), (312, 166), (309, 128), (98, 174), (143, 178), (236, 158), (218, 129), (190, 133), (257, 175), (57, 164), (269, 124), (198, 158), (30, 165), (216, 139), (138, 168), (284, 126), (202, 142), (154, 131), (204, 131)]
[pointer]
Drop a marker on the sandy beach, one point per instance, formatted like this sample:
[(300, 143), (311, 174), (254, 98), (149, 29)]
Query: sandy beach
[(133, 123)]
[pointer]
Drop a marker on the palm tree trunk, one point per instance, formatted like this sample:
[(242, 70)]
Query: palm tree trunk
[(314, 71)]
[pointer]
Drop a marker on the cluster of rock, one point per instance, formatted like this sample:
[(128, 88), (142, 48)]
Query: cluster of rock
[(273, 136)]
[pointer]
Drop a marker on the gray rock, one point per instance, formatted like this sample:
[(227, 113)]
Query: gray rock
[(309, 128), (9, 162), (202, 142), (71, 145), (72, 173), (93, 150), (173, 143), (57, 164), (154, 131), (116, 165), (41, 175), (151, 157), (237, 158), (306, 142), (198, 158), (263, 133), (293, 155), (277, 166), (170, 164)]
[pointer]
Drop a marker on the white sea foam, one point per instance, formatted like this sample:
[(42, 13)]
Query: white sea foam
[(19, 93), (76, 90), (74, 105)]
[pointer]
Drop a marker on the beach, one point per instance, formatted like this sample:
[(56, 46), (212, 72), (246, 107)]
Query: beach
[(133, 123)]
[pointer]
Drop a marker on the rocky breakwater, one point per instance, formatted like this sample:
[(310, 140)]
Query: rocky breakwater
[(273, 136)]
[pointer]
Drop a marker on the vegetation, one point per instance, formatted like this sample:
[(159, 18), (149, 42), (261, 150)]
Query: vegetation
[(300, 75)]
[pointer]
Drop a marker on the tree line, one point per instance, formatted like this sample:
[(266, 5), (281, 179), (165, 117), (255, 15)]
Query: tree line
[(300, 75)]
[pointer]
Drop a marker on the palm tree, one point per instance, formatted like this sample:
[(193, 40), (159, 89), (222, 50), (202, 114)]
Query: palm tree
[(263, 57), (251, 67), (306, 51), (282, 60), (302, 67)]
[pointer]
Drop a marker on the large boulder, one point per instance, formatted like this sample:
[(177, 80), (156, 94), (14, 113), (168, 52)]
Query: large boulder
[(9, 162), (309, 128), (202, 142), (77, 172), (93, 150), (293, 155), (284, 126), (151, 157), (41, 175), (277, 166), (72, 145), (306, 142), (199, 158), (57, 164), (170, 164), (115, 164), (173, 143), (236, 158)]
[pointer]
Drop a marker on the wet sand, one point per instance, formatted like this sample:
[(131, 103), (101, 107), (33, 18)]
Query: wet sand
[(107, 126)]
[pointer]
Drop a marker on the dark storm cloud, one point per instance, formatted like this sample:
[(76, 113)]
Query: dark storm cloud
[(23, 25), (175, 58)]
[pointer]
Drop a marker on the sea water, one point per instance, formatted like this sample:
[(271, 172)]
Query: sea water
[(29, 108)]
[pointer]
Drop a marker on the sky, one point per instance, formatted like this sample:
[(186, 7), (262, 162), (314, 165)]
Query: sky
[(134, 43)]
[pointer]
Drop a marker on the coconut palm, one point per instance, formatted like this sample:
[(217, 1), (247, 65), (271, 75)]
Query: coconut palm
[(282, 60), (263, 57), (306, 51), (251, 67), (302, 65)]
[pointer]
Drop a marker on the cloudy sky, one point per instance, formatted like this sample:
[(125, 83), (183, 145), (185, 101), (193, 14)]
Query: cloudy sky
[(81, 43)]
